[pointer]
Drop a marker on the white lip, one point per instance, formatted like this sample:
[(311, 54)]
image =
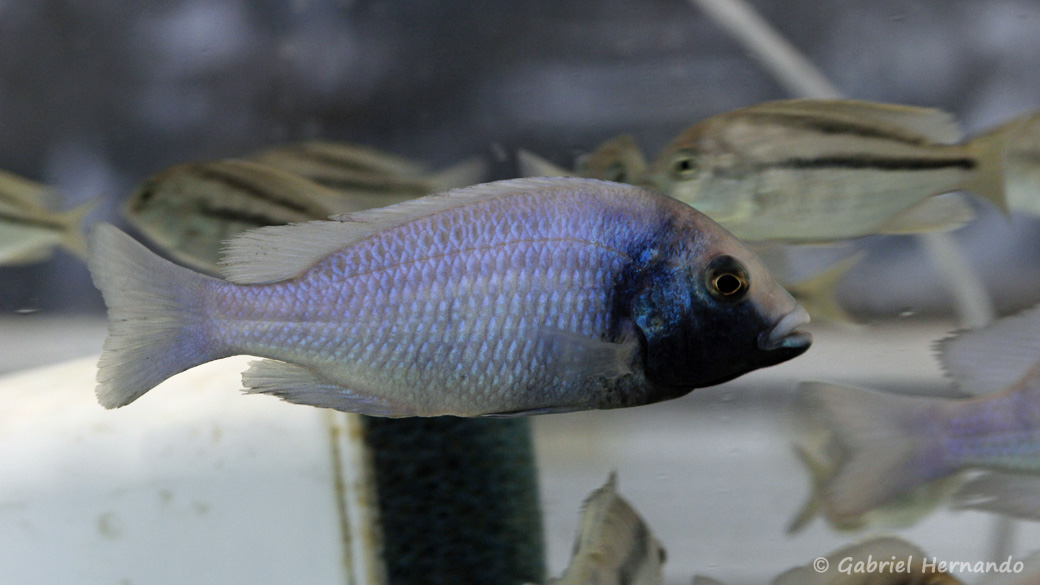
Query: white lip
[(783, 329)]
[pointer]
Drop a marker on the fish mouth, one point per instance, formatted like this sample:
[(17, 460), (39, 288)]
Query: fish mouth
[(784, 335)]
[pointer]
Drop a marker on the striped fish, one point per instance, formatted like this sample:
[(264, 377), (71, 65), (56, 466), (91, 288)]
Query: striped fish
[(359, 171), (21, 193), (824, 170), (614, 545), (189, 210), (29, 229)]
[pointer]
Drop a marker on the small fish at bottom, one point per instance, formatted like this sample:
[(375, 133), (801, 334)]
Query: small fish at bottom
[(516, 297), (614, 544)]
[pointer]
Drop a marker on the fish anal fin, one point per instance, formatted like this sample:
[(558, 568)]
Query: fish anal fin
[(301, 385), (940, 213)]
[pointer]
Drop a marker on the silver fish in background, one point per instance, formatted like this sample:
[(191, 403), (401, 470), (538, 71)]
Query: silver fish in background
[(29, 229), (514, 297), (362, 172), (317, 157), (890, 445), (21, 193), (823, 170), (614, 544), (617, 159), (189, 210)]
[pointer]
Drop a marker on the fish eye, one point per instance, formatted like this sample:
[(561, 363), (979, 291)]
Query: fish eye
[(684, 164), (727, 279)]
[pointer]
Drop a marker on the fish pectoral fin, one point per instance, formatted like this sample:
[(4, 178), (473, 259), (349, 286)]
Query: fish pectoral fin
[(935, 214), (577, 356), (301, 385)]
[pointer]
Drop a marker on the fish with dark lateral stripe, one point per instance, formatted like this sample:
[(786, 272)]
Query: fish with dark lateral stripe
[(514, 297), (824, 170)]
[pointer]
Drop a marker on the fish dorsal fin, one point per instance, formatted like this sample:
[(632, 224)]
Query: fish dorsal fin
[(533, 165), (994, 357), (275, 253), (931, 123)]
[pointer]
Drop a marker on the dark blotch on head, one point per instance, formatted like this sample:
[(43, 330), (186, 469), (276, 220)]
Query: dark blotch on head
[(691, 337)]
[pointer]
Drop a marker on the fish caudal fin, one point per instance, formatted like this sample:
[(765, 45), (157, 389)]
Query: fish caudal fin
[(1020, 151), (886, 444), (156, 318), (990, 176), (72, 238)]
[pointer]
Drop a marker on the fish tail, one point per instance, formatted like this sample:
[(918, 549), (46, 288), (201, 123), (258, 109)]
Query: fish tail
[(1013, 151), (73, 239), (991, 175), (886, 447), (157, 322)]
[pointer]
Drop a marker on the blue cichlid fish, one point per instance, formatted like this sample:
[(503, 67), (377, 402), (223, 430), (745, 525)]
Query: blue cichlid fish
[(822, 170), (513, 297), (893, 446)]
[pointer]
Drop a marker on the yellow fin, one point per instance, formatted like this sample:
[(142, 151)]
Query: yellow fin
[(817, 294), (1017, 144)]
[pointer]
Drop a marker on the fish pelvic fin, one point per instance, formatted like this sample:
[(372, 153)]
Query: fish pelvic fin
[(887, 447), (156, 316)]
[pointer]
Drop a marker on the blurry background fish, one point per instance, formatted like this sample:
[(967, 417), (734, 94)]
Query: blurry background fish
[(30, 227), (210, 80), (614, 545), (901, 453), (190, 210)]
